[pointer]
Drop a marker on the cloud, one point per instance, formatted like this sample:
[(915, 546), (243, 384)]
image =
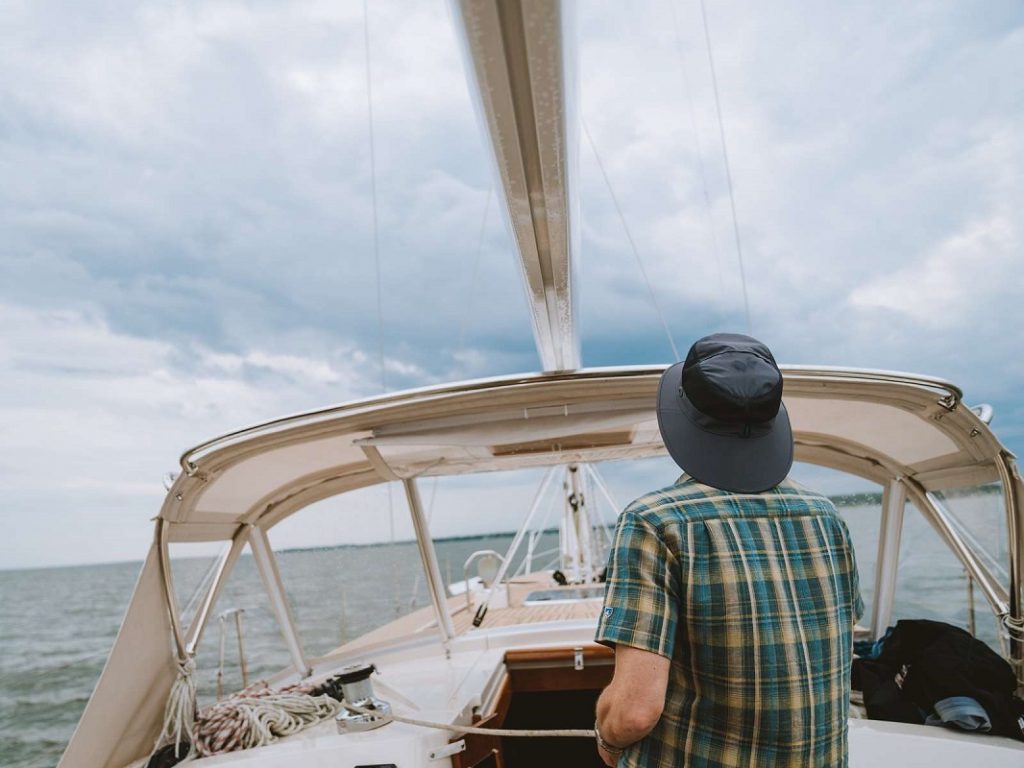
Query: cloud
[(187, 217), (932, 293), (177, 168), (93, 419), (871, 170)]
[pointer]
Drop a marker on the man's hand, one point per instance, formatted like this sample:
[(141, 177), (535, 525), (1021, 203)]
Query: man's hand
[(632, 704)]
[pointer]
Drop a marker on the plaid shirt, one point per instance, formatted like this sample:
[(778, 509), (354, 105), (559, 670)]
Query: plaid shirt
[(753, 597)]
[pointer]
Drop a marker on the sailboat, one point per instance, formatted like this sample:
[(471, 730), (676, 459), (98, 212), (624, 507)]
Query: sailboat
[(512, 647)]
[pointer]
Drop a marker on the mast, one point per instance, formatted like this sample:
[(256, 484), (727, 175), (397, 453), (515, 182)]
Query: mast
[(523, 81)]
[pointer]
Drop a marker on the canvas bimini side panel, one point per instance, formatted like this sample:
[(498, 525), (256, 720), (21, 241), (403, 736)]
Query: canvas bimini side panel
[(124, 715)]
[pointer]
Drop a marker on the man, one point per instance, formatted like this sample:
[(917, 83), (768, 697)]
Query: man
[(731, 595)]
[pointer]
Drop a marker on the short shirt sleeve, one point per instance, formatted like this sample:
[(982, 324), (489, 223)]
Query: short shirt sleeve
[(641, 603), (858, 601), (849, 565)]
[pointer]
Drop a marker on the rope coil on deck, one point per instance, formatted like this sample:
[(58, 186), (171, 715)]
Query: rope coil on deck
[(259, 715)]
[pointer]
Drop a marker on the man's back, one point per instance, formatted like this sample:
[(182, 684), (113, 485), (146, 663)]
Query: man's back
[(753, 598)]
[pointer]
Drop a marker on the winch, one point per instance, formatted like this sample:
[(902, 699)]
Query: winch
[(352, 685)]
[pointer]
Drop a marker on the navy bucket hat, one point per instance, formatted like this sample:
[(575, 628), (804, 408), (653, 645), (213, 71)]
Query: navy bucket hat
[(721, 415)]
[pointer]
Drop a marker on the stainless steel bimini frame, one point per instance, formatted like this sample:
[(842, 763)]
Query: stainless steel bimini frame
[(1004, 599), (187, 640)]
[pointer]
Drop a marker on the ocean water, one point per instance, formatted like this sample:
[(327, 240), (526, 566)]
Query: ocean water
[(57, 625)]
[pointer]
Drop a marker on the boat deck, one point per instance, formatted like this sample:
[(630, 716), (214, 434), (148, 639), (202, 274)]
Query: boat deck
[(514, 614)]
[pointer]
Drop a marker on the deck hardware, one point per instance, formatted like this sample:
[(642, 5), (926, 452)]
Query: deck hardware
[(950, 402), (486, 571), (357, 690), (577, 658), (983, 411), (448, 750)]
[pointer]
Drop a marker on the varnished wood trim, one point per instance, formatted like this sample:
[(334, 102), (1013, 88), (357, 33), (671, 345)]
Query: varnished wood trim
[(557, 657)]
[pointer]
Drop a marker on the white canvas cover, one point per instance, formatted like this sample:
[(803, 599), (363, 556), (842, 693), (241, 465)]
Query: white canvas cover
[(877, 425), (125, 713)]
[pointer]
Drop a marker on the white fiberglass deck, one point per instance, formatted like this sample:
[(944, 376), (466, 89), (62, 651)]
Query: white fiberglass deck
[(421, 682)]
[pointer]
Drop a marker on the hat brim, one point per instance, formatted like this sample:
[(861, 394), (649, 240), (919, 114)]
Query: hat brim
[(729, 462)]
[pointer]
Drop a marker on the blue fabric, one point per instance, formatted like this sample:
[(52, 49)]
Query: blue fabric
[(871, 649), (961, 712)]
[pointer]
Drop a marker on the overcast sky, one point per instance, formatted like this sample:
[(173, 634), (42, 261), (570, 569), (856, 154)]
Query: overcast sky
[(186, 218)]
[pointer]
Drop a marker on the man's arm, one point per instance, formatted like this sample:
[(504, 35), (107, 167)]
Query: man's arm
[(632, 704)]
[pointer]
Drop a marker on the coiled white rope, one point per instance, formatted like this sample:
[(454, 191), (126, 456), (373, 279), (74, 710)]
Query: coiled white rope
[(180, 711), (259, 716)]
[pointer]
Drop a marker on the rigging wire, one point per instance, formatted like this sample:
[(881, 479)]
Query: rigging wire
[(632, 243), (376, 250), (473, 281), (725, 159), (373, 193), (692, 112)]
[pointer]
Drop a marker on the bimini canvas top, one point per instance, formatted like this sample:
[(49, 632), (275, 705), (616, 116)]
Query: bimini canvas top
[(874, 424), (883, 426)]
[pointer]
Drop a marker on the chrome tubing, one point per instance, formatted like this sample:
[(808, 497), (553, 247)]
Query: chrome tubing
[(934, 511), (224, 568), (429, 559), (171, 602), (1014, 619)]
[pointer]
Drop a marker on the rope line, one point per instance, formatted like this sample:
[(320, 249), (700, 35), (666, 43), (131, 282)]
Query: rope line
[(728, 171), (376, 252), (580, 733), (1014, 627), (692, 112), (373, 192), (632, 243), (473, 281), (180, 711)]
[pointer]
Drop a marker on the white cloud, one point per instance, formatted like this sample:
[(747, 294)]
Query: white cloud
[(93, 418), (868, 149), (953, 283), (186, 217)]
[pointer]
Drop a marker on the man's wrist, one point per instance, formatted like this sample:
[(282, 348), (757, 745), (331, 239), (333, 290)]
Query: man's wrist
[(611, 749)]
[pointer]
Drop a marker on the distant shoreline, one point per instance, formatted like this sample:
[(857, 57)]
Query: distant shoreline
[(840, 500)]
